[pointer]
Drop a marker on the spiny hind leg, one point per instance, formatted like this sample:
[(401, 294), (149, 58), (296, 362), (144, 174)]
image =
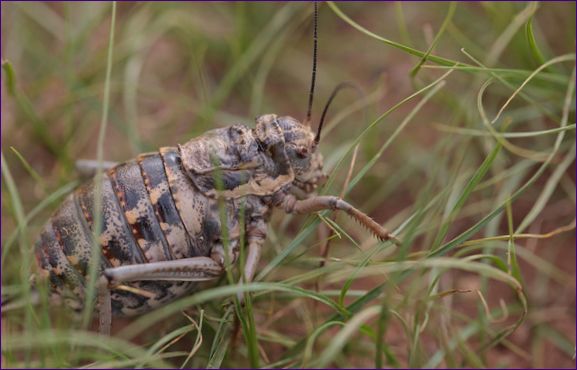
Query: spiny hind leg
[(87, 168), (186, 269)]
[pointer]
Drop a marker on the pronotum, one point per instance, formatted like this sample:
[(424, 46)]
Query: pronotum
[(161, 227)]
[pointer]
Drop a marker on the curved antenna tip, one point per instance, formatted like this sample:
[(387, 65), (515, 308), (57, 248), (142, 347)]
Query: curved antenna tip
[(314, 71), (338, 88)]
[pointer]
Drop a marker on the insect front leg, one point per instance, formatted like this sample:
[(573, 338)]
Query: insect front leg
[(327, 202)]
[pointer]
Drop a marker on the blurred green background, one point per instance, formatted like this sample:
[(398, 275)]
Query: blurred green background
[(432, 170)]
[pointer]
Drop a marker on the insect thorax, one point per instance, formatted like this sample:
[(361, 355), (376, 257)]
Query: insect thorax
[(238, 161)]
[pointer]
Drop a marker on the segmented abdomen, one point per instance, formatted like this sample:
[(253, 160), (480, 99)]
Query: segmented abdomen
[(150, 212)]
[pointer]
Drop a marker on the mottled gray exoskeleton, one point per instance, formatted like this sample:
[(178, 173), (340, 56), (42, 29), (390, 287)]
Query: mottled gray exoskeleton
[(161, 222)]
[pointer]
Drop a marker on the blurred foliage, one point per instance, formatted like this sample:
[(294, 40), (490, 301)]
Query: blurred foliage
[(466, 137)]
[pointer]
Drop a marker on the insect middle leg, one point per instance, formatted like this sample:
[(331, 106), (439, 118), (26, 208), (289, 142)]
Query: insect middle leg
[(256, 236), (186, 269)]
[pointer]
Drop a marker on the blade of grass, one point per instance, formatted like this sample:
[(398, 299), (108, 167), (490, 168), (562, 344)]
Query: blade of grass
[(445, 263), (512, 263), (198, 340), (507, 35), (533, 48), (373, 160), (476, 227), (357, 140), (46, 17), (141, 323), (402, 24), (363, 171), (277, 24), (513, 135), (25, 249), (50, 338), (167, 340), (29, 169), (406, 49), (550, 186), (335, 346), (556, 78), (246, 318), (446, 21), (38, 125), (98, 179), (465, 194), (49, 200), (559, 59), (221, 341), (537, 103), (311, 338)]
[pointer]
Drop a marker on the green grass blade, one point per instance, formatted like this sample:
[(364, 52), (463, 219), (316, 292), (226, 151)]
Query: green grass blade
[(221, 340), (24, 243), (476, 227), (446, 21), (49, 200), (10, 77), (514, 135), (501, 43), (141, 323), (50, 338), (552, 182), (308, 351), (466, 193), (276, 25), (512, 262), (439, 85), (533, 47), (402, 24), (38, 125), (406, 49), (98, 179), (335, 346), (246, 317), (29, 168)]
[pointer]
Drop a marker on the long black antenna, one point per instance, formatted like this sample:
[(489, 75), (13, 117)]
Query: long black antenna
[(338, 88), (314, 74)]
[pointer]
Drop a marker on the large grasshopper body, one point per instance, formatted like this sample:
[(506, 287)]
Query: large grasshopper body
[(172, 219), (162, 214)]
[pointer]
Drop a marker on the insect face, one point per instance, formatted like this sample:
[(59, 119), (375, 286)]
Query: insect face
[(300, 148)]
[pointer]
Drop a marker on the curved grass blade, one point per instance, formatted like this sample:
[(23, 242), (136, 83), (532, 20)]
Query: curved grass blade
[(406, 49), (529, 34), (335, 346), (446, 21), (141, 323), (46, 339), (220, 341)]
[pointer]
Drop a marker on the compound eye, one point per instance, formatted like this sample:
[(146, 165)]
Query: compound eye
[(302, 153)]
